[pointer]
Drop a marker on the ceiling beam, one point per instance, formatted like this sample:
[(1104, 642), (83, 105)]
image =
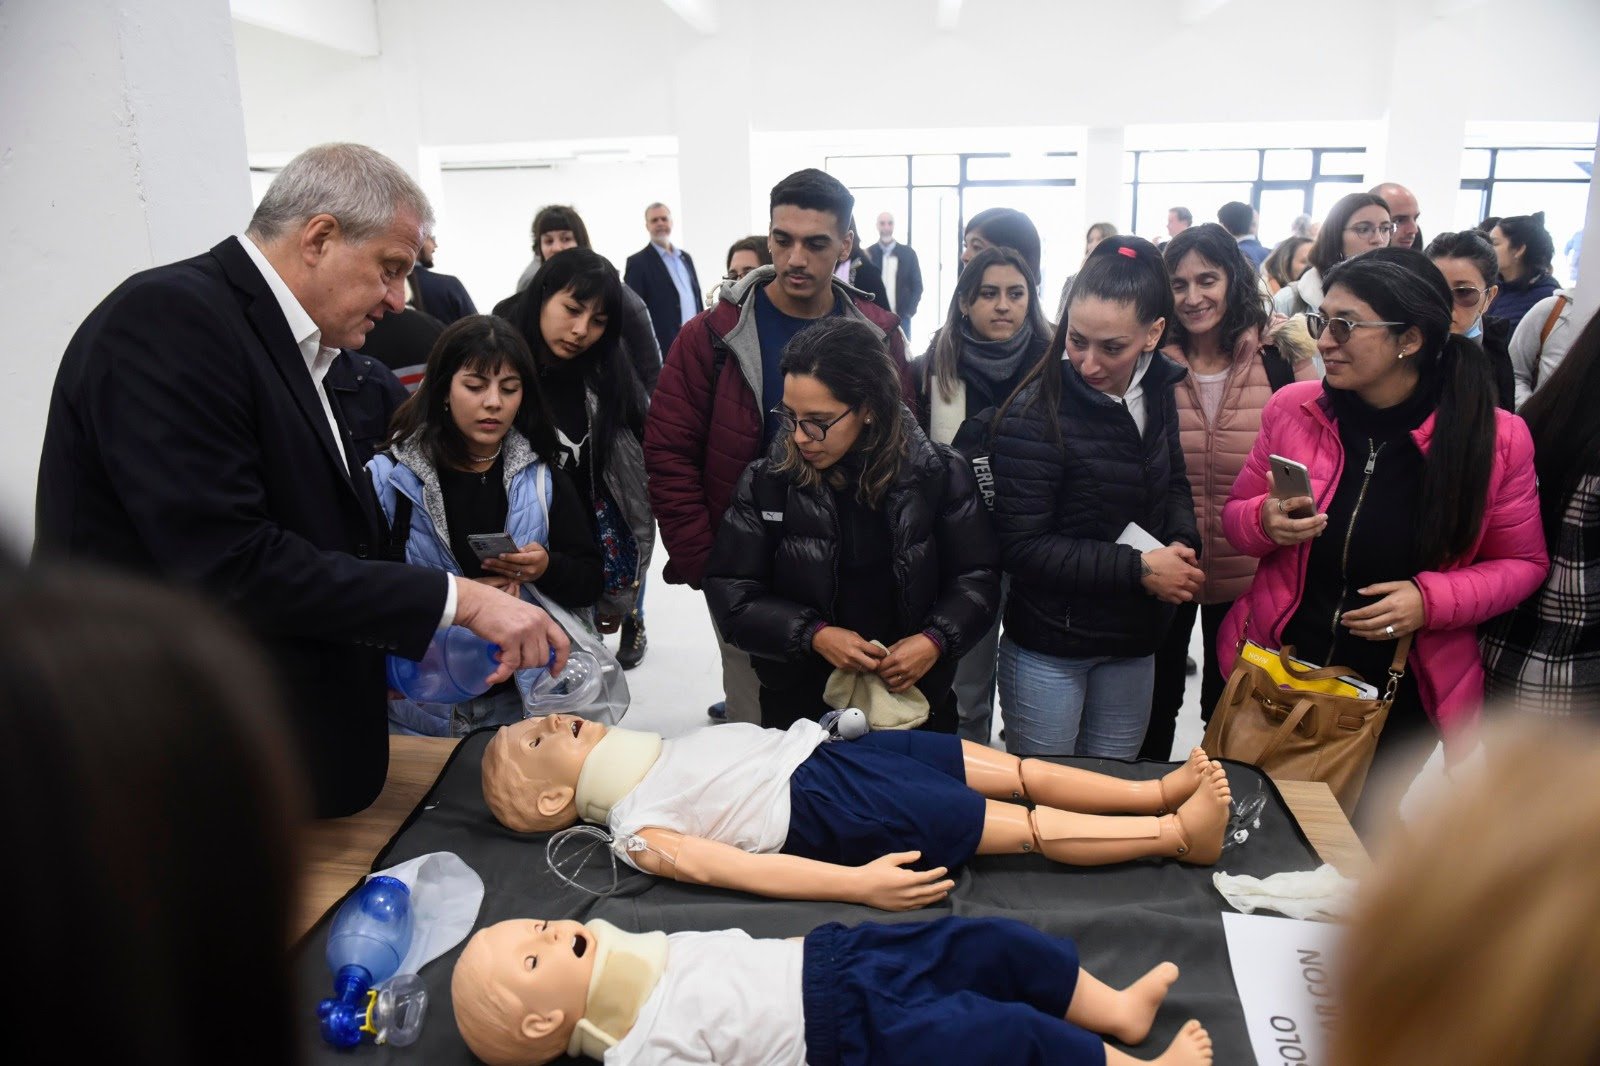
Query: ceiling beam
[(701, 15), (345, 25)]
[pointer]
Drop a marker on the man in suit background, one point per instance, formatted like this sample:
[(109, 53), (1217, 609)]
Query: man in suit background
[(1240, 220), (902, 274), (440, 295), (664, 278), (192, 436)]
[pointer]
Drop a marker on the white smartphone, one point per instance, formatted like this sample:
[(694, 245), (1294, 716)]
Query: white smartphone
[(1291, 479), (488, 545)]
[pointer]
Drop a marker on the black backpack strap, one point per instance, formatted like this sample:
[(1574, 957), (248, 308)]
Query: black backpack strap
[(400, 528), (1279, 372)]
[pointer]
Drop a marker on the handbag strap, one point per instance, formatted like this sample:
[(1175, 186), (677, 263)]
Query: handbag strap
[(1303, 673), (1302, 707)]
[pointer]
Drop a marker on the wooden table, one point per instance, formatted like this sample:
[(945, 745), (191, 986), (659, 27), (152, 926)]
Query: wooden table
[(338, 852)]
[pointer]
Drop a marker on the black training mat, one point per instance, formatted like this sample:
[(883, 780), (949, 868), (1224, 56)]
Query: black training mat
[(1124, 918)]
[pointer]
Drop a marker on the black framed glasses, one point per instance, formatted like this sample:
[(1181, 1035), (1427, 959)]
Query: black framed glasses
[(1467, 295), (1339, 327), (1365, 230), (814, 428)]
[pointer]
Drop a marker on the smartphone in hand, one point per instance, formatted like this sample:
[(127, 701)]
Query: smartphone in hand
[(488, 545), (1291, 479)]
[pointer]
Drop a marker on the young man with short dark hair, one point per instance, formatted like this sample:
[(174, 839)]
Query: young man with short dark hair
[(710, 416)]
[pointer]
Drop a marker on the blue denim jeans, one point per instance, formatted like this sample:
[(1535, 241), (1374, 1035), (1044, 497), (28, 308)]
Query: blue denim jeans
[(1096, 706)]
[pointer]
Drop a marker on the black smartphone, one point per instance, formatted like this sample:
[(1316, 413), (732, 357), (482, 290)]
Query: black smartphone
[(1291, 479), (488, 545)]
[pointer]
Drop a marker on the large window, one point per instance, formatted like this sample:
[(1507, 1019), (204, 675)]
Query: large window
[(1280, 183), (933, 195), (1520, 181)]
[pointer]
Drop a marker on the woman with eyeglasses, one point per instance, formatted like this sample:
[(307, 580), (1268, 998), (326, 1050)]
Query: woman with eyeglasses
[(1358, 223), (1525, 251), (1095, 516), (1425, 515), (1468, 263), (856, 544)]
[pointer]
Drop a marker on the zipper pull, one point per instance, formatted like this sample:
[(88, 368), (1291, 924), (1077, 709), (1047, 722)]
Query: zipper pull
[(1372, 456)]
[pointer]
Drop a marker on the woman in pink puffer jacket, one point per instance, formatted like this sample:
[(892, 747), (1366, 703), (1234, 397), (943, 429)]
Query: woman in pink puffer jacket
[(1427, 514)]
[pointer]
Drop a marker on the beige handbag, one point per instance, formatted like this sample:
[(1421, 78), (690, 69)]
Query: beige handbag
[(1282, 718)]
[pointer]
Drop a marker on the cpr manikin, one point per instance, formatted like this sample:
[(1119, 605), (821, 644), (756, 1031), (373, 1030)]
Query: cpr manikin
[(984, 990), (879, 820)]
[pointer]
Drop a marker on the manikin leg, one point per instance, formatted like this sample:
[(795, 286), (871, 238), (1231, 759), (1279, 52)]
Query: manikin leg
[(1128, 1015), (998, 775), (1193, 834)]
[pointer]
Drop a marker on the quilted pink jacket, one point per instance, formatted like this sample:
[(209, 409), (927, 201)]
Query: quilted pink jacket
[(1506, 565)]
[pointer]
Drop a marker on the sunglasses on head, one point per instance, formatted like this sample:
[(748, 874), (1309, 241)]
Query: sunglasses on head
[(1340, 328)]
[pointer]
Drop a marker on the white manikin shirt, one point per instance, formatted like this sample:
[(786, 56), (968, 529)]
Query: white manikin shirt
[(728, 783), (723, 998)]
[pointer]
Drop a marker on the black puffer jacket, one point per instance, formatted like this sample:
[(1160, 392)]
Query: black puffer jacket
[(773, 572), (1059, 508)]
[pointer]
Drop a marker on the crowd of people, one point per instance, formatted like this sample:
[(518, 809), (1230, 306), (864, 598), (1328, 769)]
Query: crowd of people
[(1035, 509)]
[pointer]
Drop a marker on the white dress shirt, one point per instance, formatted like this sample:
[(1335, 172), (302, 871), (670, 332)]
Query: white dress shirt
[(890, 271), (308, 336)]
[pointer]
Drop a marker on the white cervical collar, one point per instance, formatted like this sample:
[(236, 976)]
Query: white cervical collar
[(613, 769), (627, 967)]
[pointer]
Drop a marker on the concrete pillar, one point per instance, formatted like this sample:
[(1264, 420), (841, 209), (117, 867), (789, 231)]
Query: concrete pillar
[(121, 147), (714, 179), (1102, 177), (1427, 120)]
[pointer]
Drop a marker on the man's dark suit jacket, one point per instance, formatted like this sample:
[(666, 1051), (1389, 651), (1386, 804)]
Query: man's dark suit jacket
[(442, 295), (647, 275), (186, 441), (907, 278)]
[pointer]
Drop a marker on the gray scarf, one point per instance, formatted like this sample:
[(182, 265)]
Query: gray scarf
[(994, 365)]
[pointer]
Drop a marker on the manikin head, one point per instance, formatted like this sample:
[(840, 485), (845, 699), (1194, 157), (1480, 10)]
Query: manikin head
[(520, 988), (531, 768)]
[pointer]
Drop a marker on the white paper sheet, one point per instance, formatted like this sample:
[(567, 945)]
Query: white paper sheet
[(1283, 970), (1136, 536)]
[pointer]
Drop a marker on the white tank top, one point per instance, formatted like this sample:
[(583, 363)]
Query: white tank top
[(728, 783)]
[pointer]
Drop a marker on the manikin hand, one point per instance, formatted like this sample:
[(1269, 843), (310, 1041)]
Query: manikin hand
[(526, 564), (907, 661), (886, 885), (846, 649)]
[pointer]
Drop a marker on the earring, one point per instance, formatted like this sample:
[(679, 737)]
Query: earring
[(1402, 353)]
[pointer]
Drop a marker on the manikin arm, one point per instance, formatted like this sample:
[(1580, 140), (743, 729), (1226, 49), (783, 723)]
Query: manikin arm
[(882, 883)]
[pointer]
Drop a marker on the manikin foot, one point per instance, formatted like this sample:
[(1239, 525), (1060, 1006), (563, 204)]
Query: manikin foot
[(1199, 824), (1133, 1010), (1191, 1047), (1181, 783)]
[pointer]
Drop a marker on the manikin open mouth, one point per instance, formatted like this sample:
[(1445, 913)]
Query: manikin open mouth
[(580, 944), (576, 726)]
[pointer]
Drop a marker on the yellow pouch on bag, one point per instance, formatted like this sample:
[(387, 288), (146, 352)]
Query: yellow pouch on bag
[(1350, 687)]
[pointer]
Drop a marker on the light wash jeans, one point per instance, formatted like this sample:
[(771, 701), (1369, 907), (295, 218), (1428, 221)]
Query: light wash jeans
[(429, 719), (1096, 706)]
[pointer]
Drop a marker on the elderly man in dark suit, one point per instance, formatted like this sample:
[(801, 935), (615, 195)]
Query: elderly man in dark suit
[(664, 278), (902, 274), (192, 436)]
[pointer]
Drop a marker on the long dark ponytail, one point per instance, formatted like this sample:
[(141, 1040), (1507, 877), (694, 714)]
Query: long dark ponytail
[(1122, 270), (1402, 285)]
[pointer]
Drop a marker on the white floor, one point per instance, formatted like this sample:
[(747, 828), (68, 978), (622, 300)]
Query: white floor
[(682, 675)]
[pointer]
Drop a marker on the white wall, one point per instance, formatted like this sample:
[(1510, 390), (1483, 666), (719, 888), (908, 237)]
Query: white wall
[(121, 146)]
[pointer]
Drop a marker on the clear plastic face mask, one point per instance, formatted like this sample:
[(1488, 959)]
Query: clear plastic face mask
[(576, 689)]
